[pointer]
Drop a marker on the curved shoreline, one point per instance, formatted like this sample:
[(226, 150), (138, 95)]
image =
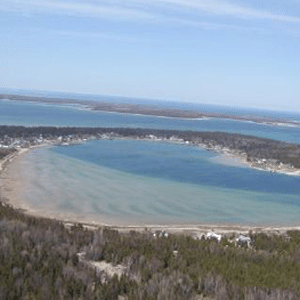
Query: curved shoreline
[(255, 152), (192, 229)]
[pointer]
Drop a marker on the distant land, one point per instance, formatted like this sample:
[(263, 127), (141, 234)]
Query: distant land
[(109, 106)]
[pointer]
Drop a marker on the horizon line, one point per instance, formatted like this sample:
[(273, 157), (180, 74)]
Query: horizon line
[(146, 98)]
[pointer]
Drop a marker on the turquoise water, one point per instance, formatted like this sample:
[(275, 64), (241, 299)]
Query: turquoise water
[(131, 182), (142, 182), (179, 163)]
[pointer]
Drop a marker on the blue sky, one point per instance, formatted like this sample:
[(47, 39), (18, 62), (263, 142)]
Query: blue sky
[(233, 52)]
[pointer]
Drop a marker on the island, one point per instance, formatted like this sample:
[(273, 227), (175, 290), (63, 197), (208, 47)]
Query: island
[(149, 110)]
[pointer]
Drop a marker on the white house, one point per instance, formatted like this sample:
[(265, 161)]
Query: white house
[(212, 235)]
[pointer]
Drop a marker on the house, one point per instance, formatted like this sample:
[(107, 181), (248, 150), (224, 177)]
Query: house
[(212, 235), (242, 240)]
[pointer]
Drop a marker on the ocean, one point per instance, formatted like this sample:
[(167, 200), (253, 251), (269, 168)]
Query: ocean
[(139, 182)]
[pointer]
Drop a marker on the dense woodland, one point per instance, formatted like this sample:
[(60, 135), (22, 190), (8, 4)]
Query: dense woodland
[(39, 260), (253, 147)]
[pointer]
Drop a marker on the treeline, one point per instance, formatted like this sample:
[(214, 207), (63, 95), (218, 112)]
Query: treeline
[(39, 260), (254, 147)]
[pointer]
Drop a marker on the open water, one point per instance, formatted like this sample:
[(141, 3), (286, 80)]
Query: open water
[(140, 182)]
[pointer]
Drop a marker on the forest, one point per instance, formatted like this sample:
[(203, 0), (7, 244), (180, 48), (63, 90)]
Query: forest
[(39, 260)]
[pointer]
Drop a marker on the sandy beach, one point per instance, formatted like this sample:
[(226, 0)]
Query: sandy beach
[(13, 176), (240, 160), (13, 179)]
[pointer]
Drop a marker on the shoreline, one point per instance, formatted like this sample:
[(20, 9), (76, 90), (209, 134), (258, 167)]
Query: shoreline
[(241, 161), (231, 147), (70, 219), (151, 111)]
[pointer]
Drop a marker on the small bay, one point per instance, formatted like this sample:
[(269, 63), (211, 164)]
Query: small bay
[(138, 182)]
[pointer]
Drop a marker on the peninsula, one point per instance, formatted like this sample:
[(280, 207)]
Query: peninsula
[(150, 110)]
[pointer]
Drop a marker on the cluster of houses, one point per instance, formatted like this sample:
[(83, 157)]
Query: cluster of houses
[(162, 234), (173, 139), (13, 143), (8, 142), (240, 240), (269, 164)]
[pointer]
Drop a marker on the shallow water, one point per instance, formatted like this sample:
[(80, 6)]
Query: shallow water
[(103, 185)]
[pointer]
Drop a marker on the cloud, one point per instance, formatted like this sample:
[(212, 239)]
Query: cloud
[(213, 7), (142, 10), (217, 7), (93, 35), (217, 26), (79, 9)]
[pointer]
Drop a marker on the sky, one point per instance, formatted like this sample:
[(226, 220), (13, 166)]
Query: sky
[(229, 52)]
